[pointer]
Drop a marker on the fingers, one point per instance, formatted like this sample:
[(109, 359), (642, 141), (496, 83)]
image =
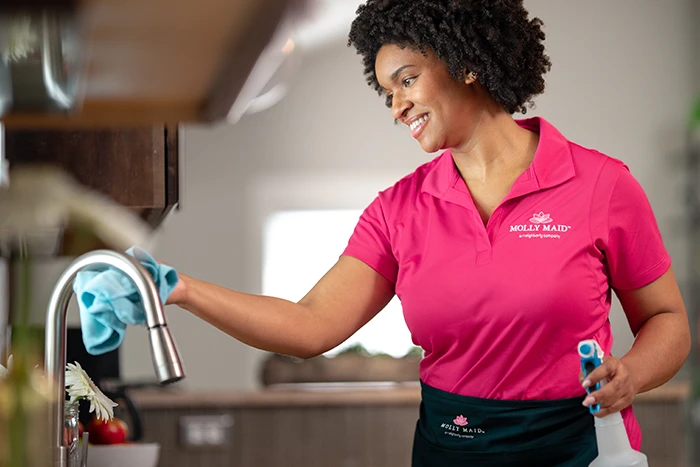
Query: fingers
[(605, 371), (618, 393), (617, 407)]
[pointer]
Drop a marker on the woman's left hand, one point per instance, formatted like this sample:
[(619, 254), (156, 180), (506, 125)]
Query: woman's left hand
[(617, 393)]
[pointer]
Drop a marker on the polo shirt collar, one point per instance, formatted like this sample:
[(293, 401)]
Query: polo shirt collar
[(552, 165)]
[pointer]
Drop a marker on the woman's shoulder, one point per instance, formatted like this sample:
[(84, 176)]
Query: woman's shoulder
[(596, 162), (411, 185), (610, 178)]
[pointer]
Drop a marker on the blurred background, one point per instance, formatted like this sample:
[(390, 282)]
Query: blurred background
[(265, 203)]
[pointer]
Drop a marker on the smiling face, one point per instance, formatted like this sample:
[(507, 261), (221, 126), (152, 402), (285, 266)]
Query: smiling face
[(438, 109)]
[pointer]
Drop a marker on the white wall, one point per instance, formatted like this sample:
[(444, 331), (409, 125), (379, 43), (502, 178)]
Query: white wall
[(621, 82)]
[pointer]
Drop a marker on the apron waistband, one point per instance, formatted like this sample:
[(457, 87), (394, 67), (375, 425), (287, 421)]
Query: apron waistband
[(455, 428)]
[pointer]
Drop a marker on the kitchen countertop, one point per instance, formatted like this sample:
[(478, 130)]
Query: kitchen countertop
[(333, 394)]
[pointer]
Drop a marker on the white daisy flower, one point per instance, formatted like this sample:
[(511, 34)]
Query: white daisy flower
[(80, 386), (5, 371)]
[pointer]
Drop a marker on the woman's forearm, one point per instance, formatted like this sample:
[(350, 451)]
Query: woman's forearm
[(267, 323), (659, 350)]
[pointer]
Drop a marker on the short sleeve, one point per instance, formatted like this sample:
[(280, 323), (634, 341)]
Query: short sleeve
[(626, 230), (370, 242)]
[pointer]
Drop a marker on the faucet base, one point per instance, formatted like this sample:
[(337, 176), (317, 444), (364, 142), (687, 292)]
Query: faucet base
[(61, 459)]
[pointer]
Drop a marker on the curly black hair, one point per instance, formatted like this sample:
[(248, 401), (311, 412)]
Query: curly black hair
[(492, 38)]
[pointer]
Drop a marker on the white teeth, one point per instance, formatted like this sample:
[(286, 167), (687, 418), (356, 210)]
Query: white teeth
[(418, 122)]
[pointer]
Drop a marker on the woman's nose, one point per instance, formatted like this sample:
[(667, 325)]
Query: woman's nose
[(399, 106)]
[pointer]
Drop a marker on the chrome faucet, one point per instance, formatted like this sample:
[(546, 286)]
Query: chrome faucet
[(166, 358)]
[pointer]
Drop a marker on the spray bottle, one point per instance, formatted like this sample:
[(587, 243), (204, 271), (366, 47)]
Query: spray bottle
[(614, 448)]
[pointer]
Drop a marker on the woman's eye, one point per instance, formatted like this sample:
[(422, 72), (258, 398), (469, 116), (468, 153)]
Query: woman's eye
[(408, 81)]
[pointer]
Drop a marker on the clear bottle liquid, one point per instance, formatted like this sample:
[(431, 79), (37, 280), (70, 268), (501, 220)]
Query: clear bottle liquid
[(614, 448)]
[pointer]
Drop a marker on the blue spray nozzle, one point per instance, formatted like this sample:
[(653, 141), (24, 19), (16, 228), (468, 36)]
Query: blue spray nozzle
[(591, 358), (584, 349)]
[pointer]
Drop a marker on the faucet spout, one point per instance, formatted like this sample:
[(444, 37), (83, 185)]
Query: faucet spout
[(166, 358)]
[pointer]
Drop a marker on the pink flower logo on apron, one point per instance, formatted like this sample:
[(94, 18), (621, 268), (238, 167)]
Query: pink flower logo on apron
[(460, 421)]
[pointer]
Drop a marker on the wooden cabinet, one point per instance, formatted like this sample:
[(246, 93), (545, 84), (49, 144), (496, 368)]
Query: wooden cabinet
[(135, 166), (312, 436), (156, 61)]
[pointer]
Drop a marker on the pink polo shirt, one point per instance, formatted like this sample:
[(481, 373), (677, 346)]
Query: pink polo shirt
[(499, 309)]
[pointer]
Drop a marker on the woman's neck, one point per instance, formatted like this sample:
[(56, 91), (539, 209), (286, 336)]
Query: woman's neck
[(497, 145)]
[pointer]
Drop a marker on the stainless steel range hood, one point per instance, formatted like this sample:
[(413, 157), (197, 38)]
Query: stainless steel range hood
[(134, 62)]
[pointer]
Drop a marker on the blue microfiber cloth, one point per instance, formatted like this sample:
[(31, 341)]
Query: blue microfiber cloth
[(108, 301)]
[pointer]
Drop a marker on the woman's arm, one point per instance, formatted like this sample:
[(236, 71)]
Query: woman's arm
[(345, 299), (659, 322)]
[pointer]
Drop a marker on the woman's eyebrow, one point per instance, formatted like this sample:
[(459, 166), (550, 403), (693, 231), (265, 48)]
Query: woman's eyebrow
[(399, 70)]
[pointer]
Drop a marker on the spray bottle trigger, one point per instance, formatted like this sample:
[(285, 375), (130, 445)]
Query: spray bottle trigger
[(588, 366), (591, 358)]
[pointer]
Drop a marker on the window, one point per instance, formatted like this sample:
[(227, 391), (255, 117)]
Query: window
[(299, 247)]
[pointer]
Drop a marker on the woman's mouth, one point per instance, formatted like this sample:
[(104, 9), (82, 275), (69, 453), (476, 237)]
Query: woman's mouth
[(418, 125)]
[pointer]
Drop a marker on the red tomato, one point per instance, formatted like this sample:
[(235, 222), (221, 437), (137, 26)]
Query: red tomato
[(114, 431)]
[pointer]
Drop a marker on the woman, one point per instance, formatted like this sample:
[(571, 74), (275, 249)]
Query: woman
[(504, 250)]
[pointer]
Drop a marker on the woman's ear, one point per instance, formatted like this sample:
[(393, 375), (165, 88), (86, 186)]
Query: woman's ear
[(470, 77)]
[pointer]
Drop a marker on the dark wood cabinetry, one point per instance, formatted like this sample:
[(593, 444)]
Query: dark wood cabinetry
[(136, 167), (341, 435)]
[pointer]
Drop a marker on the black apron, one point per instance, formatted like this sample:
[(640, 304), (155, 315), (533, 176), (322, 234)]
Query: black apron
[(456, 431)]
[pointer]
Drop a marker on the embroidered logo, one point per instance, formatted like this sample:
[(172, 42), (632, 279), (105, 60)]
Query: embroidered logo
[(541, 226), (541, 218), (458, 429), (460, 421)]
